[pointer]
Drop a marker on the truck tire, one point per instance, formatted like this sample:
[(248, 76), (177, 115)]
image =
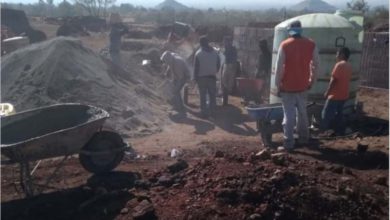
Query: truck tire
[(102, 141)]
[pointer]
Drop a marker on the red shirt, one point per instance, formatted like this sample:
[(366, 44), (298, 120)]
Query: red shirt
[(341, 73)]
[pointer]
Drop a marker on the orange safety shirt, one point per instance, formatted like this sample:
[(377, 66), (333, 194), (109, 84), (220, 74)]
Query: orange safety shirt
[(341, 73), (298, 56)]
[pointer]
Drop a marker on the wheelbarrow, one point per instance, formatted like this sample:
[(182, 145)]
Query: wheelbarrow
[(56, 131), (269, 118), (250, 89)]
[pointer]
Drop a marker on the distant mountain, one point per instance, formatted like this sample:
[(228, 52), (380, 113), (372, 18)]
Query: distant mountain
[(171, 4), (313, 6)]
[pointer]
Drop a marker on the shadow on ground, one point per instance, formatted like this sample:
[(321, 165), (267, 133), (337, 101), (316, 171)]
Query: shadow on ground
[(229, 118), (350, 158), (102, 197)]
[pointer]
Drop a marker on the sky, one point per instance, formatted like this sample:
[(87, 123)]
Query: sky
[(228, 4)]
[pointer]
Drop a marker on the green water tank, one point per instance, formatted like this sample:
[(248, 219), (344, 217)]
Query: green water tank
[(329, 32)]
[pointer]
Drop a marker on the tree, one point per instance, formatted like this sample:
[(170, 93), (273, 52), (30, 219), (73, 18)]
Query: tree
[(358, 5), (41, 7), (95, 7), (50, 7), (65, 9), (381, 12)]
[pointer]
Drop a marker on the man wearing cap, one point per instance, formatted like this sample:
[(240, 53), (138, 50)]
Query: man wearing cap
[(206, 66), (296, 69), (180, 72)]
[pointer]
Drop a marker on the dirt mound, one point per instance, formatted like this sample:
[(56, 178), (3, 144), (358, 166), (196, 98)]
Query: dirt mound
[(80, 25), (138, 44), (62, 70), (138, 34), (71, 30)]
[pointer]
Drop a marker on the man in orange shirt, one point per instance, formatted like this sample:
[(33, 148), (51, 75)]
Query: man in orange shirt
[(337, 92), (296, 69)]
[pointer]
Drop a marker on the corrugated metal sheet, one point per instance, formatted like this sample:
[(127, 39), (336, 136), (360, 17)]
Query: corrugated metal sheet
[(375, 60)]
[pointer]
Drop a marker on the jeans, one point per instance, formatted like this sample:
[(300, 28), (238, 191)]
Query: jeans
[(294, 103), (207, 87), (177, 99), (333, 112), (115, 57), (228, 80)]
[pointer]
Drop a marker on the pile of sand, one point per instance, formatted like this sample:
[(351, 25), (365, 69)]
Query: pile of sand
[(62, 70)]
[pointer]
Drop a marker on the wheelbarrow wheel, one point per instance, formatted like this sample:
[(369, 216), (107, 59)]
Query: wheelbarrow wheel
[(102, 153)]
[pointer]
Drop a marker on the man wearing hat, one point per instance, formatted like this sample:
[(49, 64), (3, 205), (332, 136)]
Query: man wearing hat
[(180, 71), (296, 69)]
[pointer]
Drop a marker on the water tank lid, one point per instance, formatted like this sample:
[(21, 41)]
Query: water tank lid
[(318, 20)]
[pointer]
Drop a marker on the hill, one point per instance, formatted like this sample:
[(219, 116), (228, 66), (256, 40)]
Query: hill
[(313, 6), (171, 4)]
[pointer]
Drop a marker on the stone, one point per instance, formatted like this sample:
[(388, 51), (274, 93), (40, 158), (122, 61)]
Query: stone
[(264, 154), (132, 203), (254, 217), (246, 164), (165, 181), (143, 211), (124, 211), (279, 158), (263, 208), (348, 171), (178, 166), (320, 168), (142, 196), (381, 180), (228, 196), (362, 147), (251, 196), (337, 169), (143, 184), (128, 113), (219, 154)]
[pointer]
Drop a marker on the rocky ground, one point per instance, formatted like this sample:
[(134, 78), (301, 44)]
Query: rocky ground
[(221, 176)]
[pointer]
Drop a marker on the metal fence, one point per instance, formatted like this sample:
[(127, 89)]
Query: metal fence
[(375, 60)]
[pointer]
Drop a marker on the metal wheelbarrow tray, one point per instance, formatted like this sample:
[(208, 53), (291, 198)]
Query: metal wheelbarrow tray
[(61, 130), (269, 119)]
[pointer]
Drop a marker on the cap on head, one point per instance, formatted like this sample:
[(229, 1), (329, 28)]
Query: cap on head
[(203, 41), (294, 28)]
